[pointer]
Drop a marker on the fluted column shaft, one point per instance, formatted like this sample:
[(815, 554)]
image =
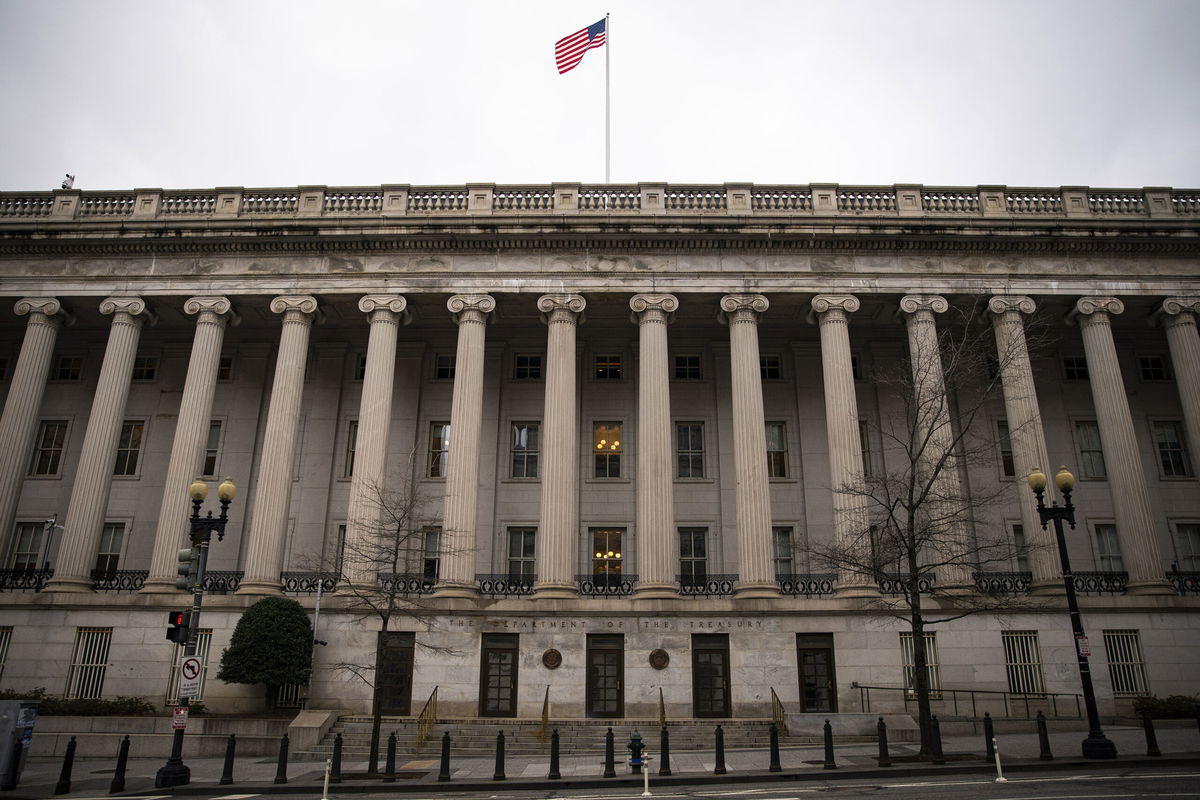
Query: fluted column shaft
[(19, 423), (851, 530), (273, 493), (456, 570), (1025, 432), (1184, 342), (655, 476), (94, 472), (191, 436), (558, 532), (360, 560), (1130, 497), (755, 553)]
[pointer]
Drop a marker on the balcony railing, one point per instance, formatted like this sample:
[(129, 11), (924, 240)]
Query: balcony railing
[(1001, 583), (605, 585), (308, 582), (407, 584), (1101, 582), (1185, 582), (119, 580), (505, 585), (24, 580), (901, 584), (222, 581), (706, 585), (806, 584)]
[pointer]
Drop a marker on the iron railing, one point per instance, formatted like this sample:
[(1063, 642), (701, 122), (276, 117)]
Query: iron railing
[(806, 584), (900, 584), (1185, 582), (406, 584), (24, 580), (426, 719), (605, 585), (119, 580), (505, 585), (778, 714), (307, 582), (222, 581), (1101, 582), (706, 585), (958, 701), (1000, 583)]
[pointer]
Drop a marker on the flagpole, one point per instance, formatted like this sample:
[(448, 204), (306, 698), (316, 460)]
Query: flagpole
[(607, 124)]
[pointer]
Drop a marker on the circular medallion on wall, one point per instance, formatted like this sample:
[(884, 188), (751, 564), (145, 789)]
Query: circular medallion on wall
[(659, 658), (551, 659)]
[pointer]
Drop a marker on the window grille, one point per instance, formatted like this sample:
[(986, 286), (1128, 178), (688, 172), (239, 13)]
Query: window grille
[(1125, 666), (932, 673), (1023, 662), (203, 641), (85, 681), (289, 696)]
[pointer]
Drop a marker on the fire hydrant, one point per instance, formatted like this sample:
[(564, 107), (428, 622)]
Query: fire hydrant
[(635, 749)]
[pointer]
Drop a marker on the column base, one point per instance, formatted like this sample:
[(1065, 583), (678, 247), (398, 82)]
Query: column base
[(70, 586), (260, 587), (1146, 587), (1050, 588), (655, 590), (458, 590), (160, 586), (865, 591), (555, 591), (755, 590)]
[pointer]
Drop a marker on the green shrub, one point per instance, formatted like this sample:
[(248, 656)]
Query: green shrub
[(1177, 706), (50, 705)]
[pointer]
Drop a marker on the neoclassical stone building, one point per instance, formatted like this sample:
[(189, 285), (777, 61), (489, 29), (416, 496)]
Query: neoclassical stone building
[(627, 408)]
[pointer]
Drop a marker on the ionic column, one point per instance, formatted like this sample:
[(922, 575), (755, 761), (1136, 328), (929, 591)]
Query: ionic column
[(191, 435), (385, 313), (273, 492), (93, 476), (851, 529), (558, 531), (655, 497), (19, 423), (456, 577), (755, 556), (932, 409), (1180, 324), (1122, 461), (1024, 432)]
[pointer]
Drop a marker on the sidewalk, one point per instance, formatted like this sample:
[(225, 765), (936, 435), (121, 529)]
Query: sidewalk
[(255, 775)]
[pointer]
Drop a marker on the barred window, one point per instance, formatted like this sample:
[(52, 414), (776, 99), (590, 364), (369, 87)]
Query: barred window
[(85, 680), (521, 559), (108, 556), (203, 641), (689, 449), (212, 447), (48, 451), (1108, 549), (1172, 453), (1125, 666), (777, 451), (439, 449), (932, 673), (1091, 454), (526, 447), (1023, 661), (129, 447)]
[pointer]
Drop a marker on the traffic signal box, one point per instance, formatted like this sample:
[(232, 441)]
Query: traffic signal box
[(188, 569), (178, 623)]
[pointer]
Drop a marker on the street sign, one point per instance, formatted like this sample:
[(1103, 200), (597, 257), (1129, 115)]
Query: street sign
[(1085, 649), (179, 720), (189, 676)]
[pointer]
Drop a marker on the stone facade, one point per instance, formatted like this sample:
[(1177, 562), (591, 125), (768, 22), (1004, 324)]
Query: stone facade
[(565, 368)]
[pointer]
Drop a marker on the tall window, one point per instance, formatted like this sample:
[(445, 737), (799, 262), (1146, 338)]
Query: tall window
[(129, 447), (225, 368), (108, 556), (432, 553), (521, 560), (932, 672), (68, 368), (443, 367), (27, 555), (856, 367), (1023, 661), (212, 447), (360, 366), (607, 367), (1091, 455), (1108, 549), (1188, 535), (864, 442), (693, 556), (145, 368), (48, 450), (606, 555), (525, 449), (89, 660), (1020, 548), (689, 449), (1172, 450), (527, 367), (777, 453), (1008, 467), (5, 639), (687, 367), (781, 545), (203, 641), (1125, 665), (606, 449), (339, 556), (439, 449), (770, 367), (351, 448)]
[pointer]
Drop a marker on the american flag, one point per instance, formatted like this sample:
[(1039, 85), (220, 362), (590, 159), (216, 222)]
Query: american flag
[(569, 50)]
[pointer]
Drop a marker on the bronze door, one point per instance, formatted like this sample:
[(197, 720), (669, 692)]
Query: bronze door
[(396, 673), (498, 675), (818, 686), (710, 675), (605, 676)]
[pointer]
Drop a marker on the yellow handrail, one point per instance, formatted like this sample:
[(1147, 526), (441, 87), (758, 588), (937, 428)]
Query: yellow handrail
[(543, 734), (778, 714), (426, 719)]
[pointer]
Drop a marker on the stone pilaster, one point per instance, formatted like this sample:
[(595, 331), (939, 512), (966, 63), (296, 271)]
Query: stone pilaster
[(851, 529), (191, 434), (19, 423), (385, 313), (93, 475), (1180, 324), (932, 410), (1122, 461), (273, 493), (456, 577), (558, 531), (755, 556), (657, 557)]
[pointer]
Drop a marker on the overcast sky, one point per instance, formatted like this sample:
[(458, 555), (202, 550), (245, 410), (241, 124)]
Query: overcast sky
[(252, 93)]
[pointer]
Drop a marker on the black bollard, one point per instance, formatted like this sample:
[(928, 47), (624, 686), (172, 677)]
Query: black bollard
[(775, 765), (1043, 738), (335, 772), (989, 738), (664, 752), (230, 751), (554, 773), (610, 760), (389, 769), (444, 772), (1151, 739), (829, 762), (885, 758), (935, 728), (498, 775), (64, 777), (719, 769), (118, 781), (281, 770)]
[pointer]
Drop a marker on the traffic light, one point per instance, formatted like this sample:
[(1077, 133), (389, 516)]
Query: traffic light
[(178, 622), (189, 566)]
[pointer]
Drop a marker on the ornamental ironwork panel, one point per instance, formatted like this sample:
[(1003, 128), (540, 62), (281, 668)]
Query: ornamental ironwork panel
[(806, 584), (307, 582), (1101, 582), (222, 581), (119, 580), (901, 584), (1003, 582), (24, 580), (404, 584), (505, 585), (1185, 582), (605, 585), (706, 586)]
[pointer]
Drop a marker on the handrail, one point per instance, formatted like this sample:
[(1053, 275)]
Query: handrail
[(662, 709), (543, 733), (978, 696), (778, 713), (426, 719)]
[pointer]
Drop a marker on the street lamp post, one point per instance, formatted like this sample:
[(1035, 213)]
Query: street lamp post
[(175, 772), (1096, 745)]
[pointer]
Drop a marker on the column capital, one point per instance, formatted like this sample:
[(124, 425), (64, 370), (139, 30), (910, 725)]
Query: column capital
[(371, 303), (933, 303), (549, 303), (217, 305), (1090, 305), (743, 306), (133, 306), (1174, 306), (48, 306), (305, 304), (653, 307), (462, 305), (846, 303), (1004, 303)]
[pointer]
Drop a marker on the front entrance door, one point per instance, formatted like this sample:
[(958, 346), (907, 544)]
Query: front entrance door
[(395, 673), (605, 676), (498, 675), (814, 658), (710, 675)]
